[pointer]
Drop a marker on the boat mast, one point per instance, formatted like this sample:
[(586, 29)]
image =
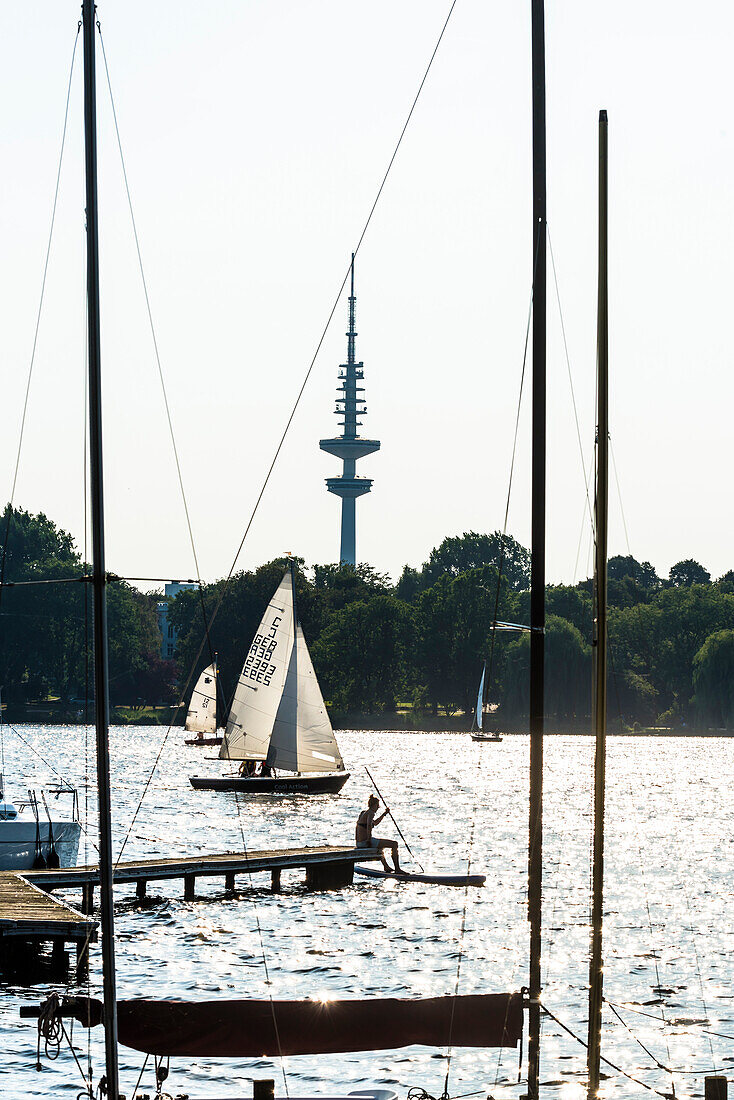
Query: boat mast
[(600, 639), (99, 575), (537, 567)]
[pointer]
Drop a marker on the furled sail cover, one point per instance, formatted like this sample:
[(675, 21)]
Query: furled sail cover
[(245, 1029), (303, 740), (260, 686), (202, 715)]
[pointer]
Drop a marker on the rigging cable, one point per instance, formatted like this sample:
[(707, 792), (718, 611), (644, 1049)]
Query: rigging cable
[(512, 470), (263, 955), (617, 1069), (645, 640), (155, 342), (38, 318), (462, 933), (293, 410), (570, 378), (658, 1064), (147, 305)]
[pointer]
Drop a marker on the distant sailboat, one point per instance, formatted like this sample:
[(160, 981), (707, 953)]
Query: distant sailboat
[(201, 718), (477, 733), (278, 714)]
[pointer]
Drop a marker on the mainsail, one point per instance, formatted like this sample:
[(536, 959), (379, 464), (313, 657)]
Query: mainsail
[(278, 712), (260, 686), (480, 700), (202, 715), (302, 738)]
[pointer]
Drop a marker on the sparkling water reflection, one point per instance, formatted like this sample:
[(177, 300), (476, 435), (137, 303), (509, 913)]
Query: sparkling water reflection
[(669, 939)]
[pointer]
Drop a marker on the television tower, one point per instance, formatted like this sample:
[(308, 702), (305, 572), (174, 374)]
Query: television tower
[(349, 446)]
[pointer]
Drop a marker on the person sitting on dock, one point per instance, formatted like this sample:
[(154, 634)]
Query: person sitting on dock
[(364, 838)]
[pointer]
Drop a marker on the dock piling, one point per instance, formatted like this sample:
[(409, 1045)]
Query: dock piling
[(88, 898)]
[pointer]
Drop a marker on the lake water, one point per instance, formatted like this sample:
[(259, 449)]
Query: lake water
[(669, 932)]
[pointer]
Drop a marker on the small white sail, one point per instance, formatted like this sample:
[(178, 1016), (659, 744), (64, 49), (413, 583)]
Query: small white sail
[(480, 700), (260, 686), (302, 739), (202, 715)]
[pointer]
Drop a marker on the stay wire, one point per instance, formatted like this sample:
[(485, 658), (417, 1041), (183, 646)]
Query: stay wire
[(263, 953), (298, 399), (154, 338), (140, 1077), (570, 378), (148, 306), (687, 897), (654, 953), (462, 932), (656, 1061), (512, 465), (339, 294), (617, 1069), (38, 317)]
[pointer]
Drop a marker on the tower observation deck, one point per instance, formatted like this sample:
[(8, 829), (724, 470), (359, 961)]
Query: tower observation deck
[(349, 446)]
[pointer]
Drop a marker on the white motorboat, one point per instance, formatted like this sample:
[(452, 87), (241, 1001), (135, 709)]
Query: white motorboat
[(29, 840)]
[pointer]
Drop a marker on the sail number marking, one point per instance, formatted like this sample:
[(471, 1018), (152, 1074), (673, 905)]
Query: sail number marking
[(258, 664)]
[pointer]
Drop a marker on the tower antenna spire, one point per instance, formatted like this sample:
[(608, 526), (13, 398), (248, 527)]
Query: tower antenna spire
[(349, 446)]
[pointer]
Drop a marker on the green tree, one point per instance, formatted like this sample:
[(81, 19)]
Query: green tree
[(726, 583), (364, 656), (571, 603), (458, 555), (713, 679), (688, 572), (658, 641), (455, 620), (567, 672)]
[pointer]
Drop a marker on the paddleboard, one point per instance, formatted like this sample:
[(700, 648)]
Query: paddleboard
[(436, 880)]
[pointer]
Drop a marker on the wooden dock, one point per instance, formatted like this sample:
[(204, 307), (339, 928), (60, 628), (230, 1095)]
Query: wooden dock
[(29, 917), (327, 867)]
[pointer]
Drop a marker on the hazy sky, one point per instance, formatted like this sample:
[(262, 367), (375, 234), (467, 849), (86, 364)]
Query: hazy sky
[(255, 135)]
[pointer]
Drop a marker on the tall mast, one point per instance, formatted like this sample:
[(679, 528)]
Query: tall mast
[(537, 568), (600, 640), (99, 575)]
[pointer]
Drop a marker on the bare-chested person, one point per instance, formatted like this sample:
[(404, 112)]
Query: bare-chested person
[(364, 838)]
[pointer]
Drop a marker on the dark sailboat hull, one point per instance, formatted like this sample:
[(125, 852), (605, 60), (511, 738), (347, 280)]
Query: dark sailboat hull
[(282, 785), (203, 740)]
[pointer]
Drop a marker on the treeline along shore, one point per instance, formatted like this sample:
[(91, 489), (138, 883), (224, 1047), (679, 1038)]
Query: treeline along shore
[(404, 655)]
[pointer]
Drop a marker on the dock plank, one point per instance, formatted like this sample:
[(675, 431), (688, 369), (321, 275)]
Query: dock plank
[(26, 911), (201, 866)]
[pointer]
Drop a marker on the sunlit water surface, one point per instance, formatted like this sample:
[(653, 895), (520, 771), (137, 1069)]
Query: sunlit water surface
[(669, 932)]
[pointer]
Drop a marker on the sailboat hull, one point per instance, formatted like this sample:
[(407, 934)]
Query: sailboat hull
[(495, 737), (20, 840), (282, 785), (203, 740)]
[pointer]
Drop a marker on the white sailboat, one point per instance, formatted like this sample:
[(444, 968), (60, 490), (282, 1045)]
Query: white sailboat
[(478, 733), (201, 718), (278, 716)]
